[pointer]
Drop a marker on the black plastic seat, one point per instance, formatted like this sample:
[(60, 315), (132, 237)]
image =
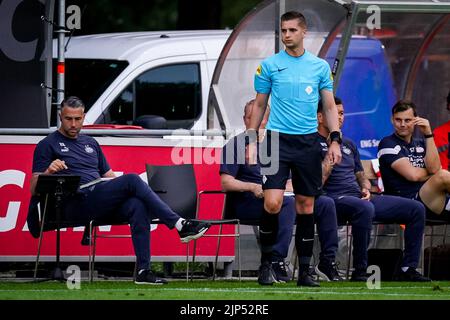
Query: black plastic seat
[(176, 185)]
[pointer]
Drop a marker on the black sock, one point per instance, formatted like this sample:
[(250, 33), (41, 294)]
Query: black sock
[(268, 230), (304, 240)]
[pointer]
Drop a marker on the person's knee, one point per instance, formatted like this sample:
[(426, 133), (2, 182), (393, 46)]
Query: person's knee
[(133, 182), (364, 214), (127, 180), (289, 201), (132, 178), (442, 177), (273, 205), (304, 205), (418, 212), (324, 206)]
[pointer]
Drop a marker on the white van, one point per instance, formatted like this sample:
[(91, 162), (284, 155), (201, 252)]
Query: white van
[(159, 80)]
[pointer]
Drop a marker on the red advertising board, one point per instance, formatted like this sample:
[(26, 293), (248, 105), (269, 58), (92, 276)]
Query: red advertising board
[(16, 243)]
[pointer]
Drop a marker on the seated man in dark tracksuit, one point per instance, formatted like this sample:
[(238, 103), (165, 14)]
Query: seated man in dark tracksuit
[(65, 151), (410, 164), (244, 184), (325, 218), (348, 186)]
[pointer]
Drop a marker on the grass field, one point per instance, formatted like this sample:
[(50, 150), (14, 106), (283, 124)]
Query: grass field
[(222, 290)]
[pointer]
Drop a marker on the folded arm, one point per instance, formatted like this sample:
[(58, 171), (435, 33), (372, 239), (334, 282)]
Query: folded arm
[(408, 171)]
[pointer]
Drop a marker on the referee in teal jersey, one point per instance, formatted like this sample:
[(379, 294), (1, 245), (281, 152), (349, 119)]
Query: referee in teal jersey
[(295, 79)]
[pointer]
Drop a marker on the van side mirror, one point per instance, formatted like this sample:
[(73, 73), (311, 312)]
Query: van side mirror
[(150, 121)]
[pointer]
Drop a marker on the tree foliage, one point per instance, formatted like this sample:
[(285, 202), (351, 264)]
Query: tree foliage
[(101, 16)]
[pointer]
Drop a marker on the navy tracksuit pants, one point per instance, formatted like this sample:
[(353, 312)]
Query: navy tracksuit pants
[(386, 209), (126, 197), (326, 222)]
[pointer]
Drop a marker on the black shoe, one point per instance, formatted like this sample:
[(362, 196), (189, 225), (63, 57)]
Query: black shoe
[(411, 275), (305, 280), (192, 230), (359, 275), (148, 277), (266, 276), (280, 271), (328, 271)]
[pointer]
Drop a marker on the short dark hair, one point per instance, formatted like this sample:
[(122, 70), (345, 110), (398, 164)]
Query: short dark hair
[(403, 105), (72, 102), (292, 15), (448, 98), (337, 101)]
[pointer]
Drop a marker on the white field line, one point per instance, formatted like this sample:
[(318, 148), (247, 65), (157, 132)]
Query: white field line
[(242, 288), (252, 290)]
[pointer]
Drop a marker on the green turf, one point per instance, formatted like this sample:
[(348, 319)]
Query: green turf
[(224, 290)]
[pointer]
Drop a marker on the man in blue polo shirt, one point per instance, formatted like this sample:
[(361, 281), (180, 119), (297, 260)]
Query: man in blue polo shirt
[(66, 151), (350, 189), (410, 165), (295, 79)]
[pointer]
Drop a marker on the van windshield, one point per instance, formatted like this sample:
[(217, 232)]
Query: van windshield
[(88, 78)]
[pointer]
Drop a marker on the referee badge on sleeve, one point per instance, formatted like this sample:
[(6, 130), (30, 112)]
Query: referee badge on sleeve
[(258, 70)]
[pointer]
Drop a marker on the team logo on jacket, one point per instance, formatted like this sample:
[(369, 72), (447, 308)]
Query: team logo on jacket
[(88, 149), (346, 150), (420, 150), (63, 147)]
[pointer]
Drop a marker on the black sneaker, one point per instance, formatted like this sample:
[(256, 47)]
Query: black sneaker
[(280, 271), (148, 277), (266, 275), (305, 279), (192, 230), (411, 275), (328, 271), (359, 276)]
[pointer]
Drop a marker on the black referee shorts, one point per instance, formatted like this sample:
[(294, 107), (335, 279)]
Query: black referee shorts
[(296, 154)]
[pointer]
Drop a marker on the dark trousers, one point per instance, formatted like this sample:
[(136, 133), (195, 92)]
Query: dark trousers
[(411, 213), (251, 208), (386, 209), (126, 197), (326, 222)]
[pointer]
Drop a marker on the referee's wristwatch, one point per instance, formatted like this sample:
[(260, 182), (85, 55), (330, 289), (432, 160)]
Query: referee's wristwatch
[(336, 136)]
